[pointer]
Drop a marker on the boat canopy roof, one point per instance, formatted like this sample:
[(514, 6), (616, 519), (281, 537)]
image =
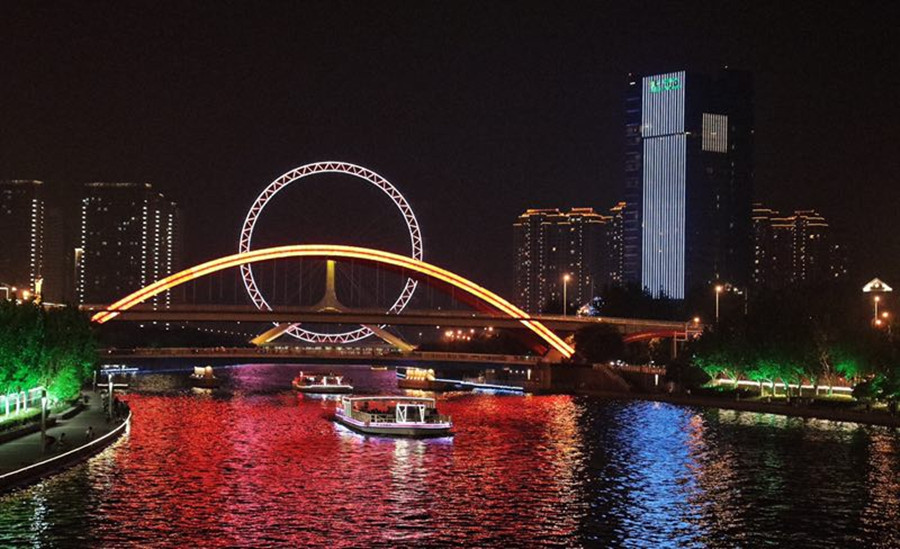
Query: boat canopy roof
[(397, 398)]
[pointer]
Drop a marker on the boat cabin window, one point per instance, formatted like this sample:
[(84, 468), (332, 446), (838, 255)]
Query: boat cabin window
[(411, 413)]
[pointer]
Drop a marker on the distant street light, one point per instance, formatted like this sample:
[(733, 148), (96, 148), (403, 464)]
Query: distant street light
[(566, 278), (876, 286), (719, 290)]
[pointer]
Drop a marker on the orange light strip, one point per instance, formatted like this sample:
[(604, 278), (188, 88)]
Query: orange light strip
[(331, 252), (650, 335)]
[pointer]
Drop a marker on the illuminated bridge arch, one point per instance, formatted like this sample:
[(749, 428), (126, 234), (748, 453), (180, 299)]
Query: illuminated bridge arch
[(476, 293)]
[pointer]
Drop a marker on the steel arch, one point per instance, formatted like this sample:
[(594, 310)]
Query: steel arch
[(333, 251), (412, 225)]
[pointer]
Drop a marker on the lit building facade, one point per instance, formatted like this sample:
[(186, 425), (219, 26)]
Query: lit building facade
[(550, 244), (130, 236), (793, 249), (688, 181), (615, 245), (22, 224), (771, 250)]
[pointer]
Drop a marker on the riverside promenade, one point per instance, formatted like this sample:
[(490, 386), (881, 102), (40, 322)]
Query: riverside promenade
[(883, 419), (23, 460)]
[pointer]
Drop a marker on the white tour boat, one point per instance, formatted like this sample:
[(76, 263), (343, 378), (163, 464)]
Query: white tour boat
[(327, 384), (393, 416), (203, 378)]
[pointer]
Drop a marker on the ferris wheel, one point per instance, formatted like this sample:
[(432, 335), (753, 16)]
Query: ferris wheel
[(412, 225)]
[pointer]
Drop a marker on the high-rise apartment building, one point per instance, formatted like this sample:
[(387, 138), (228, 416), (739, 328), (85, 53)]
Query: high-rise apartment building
[(793, 249), (615, 238), (22, 226), (771, 249), (551, 244), (130, 237), (688, 181)]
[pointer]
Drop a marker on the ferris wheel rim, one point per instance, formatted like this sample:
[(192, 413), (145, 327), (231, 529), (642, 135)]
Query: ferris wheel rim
[(297, 174)]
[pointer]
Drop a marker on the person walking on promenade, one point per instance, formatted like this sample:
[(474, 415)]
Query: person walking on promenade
[(61, 443), (89, 435)]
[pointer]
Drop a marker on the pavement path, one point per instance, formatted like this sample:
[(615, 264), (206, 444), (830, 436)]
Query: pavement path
[(26, 450)]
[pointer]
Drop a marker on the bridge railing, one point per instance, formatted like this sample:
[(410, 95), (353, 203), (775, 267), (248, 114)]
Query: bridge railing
[(363, 352)]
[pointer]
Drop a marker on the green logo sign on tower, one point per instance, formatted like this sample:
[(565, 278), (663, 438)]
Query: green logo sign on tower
[(665, 84)]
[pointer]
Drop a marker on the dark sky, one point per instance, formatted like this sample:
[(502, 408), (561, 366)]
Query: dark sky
[(475, 111)]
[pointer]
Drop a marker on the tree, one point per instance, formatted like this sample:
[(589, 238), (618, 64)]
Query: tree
[(53, 348), (599, 343)]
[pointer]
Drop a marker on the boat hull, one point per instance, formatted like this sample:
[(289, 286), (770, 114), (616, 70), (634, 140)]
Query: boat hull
[(324, 389), (336, 390), (205, 383), (408, 430), (429, 385)]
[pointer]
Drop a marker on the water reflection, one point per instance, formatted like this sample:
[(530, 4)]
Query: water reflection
[(258, 466)]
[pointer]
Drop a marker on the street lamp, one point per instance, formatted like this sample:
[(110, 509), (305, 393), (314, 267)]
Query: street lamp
[(109, 378), (875, 300), (566, 278), (719, 290), (43, 419)]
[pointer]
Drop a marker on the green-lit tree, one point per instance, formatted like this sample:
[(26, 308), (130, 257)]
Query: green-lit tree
[(53, 348)]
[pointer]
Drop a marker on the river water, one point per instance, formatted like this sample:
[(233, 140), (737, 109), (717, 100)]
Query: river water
[(257, 465)]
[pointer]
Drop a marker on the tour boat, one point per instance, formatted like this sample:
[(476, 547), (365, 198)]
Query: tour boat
[(425, 380), (393, 416), (204, 378), (327, 384), (378, 368)]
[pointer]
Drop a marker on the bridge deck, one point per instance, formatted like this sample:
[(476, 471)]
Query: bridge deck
[(462, 319)]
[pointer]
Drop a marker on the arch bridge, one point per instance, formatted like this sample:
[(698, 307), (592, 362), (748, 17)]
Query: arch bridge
[(471, 293)]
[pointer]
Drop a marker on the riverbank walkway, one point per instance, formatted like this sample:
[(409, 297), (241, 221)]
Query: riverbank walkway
[(26, 450), (883, 419)]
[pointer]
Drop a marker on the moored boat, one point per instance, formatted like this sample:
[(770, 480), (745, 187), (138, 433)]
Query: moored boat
[(425, 380), (326, 384), (393, 416), (203, 378)]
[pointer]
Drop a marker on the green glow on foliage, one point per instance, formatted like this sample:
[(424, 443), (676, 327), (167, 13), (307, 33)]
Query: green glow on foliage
[(52, 348)]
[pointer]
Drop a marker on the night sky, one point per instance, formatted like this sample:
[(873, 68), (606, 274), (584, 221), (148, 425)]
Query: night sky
[(474, 111)]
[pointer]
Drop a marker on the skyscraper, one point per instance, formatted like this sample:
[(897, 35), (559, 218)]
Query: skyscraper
[(771, 250), (550, 244), (688, 181), (615, 238), (129, 238), (793, 249), (22, 224)]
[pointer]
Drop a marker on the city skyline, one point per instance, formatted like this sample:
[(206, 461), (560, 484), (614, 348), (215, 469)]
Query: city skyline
[(532, 132), (471, 274)]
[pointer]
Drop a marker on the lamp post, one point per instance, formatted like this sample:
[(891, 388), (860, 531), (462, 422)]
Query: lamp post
[(43, 419), (719, 290), (875, 300), (109, 408), (566, 278)]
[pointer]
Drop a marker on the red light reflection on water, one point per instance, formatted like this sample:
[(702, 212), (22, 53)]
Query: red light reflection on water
[(265, 469)]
